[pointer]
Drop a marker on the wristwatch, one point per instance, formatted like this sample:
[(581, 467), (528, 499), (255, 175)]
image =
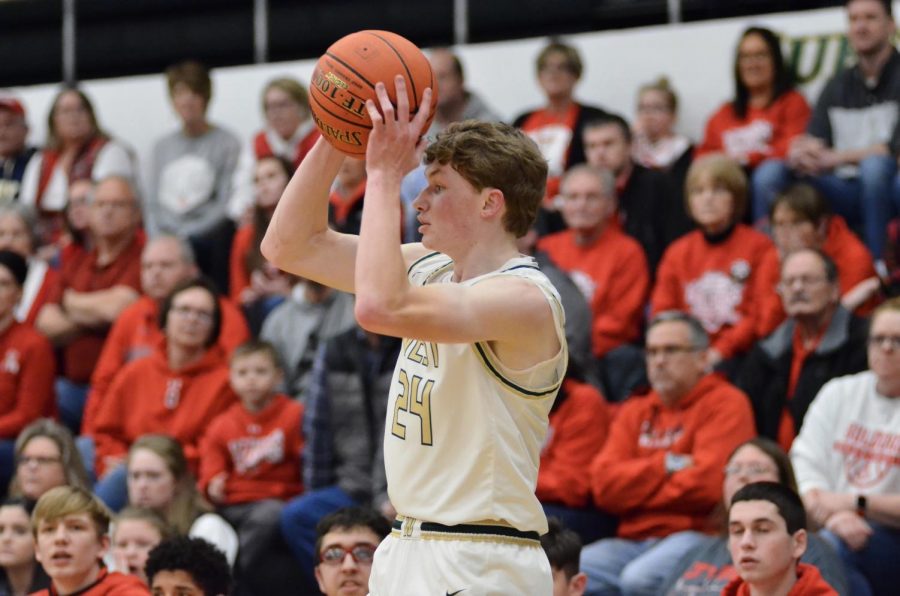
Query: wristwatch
[(861, 503)]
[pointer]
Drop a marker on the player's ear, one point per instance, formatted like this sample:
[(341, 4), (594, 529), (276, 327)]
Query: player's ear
[(493, 202)]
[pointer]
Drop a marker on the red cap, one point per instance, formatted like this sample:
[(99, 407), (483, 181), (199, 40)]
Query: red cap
[(13, 105)]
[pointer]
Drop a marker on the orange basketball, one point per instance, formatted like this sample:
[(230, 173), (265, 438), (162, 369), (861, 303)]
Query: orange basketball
[(345, 77)]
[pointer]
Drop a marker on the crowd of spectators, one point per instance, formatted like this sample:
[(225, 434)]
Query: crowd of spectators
[(729, 305)]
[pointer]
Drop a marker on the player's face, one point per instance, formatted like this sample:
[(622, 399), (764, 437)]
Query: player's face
[(762, 551), (283, 113), (151, 483), (448, 209), (884, 358), (606, 147), (804, 286), (254, 378), (14, 234), (748, 464), (347, 578), (162, 267), (39, 467), (791, 231), (175, 583), (190, 319), (270, 180), (132, 543), (585, 207), (16, 541), (70, 550), (871, 28), (673, 365), (711, 204)]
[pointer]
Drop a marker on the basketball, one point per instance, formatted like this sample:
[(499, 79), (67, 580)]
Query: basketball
[(345, 77)]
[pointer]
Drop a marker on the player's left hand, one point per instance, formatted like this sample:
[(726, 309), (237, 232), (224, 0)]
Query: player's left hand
[(395, 142)]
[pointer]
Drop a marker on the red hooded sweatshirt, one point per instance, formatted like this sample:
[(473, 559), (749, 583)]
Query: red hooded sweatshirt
[(809, 583), (107, 584)]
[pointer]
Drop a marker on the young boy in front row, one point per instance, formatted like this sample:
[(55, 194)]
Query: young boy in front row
[(71, 537), (250, 462), (766, 537), (185, 566), (563, 548)]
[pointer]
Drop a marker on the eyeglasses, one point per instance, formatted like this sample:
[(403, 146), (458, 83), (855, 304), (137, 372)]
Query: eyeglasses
[(187, 311), (668, 351), (749, 469), (40, 460), (362, 554), (885, 342)]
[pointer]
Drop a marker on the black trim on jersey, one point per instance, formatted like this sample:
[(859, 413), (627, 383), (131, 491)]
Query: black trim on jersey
[(506, 381), (473, 529), (419, 260)]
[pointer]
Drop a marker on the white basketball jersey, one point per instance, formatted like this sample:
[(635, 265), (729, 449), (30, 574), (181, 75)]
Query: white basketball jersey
[(463, 432)]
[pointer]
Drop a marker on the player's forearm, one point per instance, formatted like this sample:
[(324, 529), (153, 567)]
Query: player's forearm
[(380, 278), (302, 211)]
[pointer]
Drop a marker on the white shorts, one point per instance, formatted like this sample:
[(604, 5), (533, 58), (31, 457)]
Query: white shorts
[(424, 559)]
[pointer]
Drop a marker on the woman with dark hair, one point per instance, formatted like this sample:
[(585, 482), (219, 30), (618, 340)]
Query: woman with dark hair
[(46, 457), (20, 573), (766, 112), (707, 568), (176, 390), (76, 149)]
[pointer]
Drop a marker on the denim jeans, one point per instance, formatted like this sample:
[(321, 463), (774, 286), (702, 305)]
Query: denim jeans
[(876, 561)]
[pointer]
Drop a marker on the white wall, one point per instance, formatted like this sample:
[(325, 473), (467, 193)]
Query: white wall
[(697, 58)]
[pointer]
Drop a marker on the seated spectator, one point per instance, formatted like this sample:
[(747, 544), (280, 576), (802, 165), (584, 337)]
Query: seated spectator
[(166, 261), (849, 152), (71, 538), (348, 193), (250, 465), (135, 532), (312, 314), (289, 133), (177, 390), (15, 153), (17, 223), (343, 426), (660, 470), (799, 219), (766, 112), (655, 142), (557, 127), (76, 235), (93, 290), (26, 366), (819, 341), (46, 457), (563, 548), (159, 479), (846, 458), (182, 566), (767, 536), (712, 272), (455, 102), (607, 265), (649, 210), (257, 285), (192, 172), (706, 569), (76, 149), (20, 573), (350, 531), (579, 424)]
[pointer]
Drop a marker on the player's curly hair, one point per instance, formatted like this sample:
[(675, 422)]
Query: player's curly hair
[(198, 558)]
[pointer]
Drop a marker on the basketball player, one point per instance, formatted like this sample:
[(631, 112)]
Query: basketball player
[(484, 350)]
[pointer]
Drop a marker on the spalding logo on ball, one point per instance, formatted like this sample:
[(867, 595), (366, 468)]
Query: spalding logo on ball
[(345, 77)]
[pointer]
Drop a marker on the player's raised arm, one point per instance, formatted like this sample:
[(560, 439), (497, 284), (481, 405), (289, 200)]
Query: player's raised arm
[(298, 239)]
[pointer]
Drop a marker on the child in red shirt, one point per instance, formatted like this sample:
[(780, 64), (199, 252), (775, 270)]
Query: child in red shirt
[(250, 456)]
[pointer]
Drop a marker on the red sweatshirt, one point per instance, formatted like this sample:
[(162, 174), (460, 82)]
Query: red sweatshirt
[(149, 397), (239, 277), (629, 478), (136, 334), (27, 370), (809, 583), (260, 452), (764, 133), (851, 257), (107, 584), (612, 271), (578, 429), (717, 283)]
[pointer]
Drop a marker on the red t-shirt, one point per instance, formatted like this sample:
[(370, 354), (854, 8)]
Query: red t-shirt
[(553, 135)]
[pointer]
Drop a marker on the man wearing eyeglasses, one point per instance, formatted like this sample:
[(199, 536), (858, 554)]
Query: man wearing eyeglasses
[(346, 546), (819, 341), (661, 469), (847, 458)]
